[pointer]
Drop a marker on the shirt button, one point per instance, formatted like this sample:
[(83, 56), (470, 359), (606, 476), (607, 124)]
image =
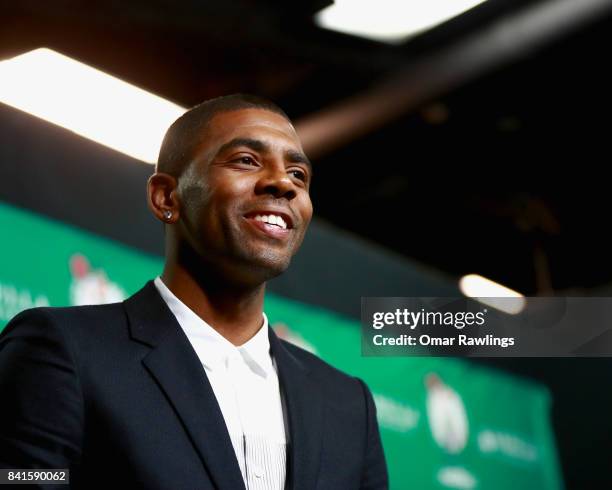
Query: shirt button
[(258, 471)]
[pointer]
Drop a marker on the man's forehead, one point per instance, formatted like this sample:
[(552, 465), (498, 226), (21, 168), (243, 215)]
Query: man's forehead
[(232, 121), (262, 124)]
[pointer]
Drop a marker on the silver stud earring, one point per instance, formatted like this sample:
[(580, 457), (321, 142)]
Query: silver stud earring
[(167, 214)]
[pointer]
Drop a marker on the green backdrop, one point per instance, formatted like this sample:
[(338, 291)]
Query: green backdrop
[(445, 423)]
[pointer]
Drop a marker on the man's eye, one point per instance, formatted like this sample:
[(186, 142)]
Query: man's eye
[(298, 174), (246, 160)]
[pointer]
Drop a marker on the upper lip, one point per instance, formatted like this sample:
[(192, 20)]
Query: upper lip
[(267, 211)]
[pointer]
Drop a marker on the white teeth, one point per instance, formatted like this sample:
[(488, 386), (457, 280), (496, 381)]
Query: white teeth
[(272, 219)]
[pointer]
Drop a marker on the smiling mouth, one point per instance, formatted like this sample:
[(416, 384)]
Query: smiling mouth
[(272, 225)]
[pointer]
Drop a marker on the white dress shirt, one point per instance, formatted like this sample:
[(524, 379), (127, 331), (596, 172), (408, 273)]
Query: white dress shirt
[(245, 382)]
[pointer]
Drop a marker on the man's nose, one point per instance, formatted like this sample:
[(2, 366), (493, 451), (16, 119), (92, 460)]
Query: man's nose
[(276, 182)]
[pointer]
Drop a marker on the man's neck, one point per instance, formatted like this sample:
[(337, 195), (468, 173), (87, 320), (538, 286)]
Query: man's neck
[(236, 313)]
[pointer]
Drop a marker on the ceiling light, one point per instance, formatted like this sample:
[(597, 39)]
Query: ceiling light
[(87, 101), (493, 294), (391, 21)]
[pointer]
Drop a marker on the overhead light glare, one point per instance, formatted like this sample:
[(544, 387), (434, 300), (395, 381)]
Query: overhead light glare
[(390, 21), (492, 294), (87, 101)]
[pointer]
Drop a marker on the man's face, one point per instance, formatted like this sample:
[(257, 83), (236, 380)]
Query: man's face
[(245, 199)]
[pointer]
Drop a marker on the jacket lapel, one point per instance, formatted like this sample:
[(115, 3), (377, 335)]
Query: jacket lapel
[(305, 407), (180, 374)]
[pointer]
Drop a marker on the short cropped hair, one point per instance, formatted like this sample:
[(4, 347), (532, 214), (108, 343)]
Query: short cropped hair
[(185, 134)]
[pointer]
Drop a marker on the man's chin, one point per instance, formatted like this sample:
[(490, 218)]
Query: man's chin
[(260, 262), (267, 266), (272, 268)]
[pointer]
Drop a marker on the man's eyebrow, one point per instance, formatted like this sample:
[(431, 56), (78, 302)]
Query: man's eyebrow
[(298, 157), (253, 144)]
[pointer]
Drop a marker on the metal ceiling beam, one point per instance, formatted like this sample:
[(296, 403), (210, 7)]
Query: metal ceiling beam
[(497, 44)]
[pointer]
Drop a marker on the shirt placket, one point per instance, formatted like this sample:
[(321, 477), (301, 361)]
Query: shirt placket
[(254, 474)]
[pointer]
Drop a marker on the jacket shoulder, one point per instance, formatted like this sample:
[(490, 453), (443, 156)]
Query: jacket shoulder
[(65, 318), (68, 313), (318, 367)]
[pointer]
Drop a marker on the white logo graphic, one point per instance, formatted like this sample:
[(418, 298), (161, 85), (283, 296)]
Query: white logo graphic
[(395, 415), (446, 414), (13, 300), (449, 428), (456, 477), (89, 286)]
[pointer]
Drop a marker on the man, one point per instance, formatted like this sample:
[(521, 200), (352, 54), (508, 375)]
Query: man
[(184, 385)]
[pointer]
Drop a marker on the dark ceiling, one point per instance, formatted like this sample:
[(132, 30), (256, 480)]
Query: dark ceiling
[(503, 175)]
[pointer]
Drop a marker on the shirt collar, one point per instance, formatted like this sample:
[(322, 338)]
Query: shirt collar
[(212, 348)]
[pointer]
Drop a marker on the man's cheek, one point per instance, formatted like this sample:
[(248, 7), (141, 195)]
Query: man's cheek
[(298, 239)]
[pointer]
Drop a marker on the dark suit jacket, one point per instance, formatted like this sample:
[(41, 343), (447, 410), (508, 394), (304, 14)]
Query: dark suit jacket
[(117, 394)]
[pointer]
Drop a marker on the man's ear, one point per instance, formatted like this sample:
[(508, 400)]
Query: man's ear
[(162, 197)]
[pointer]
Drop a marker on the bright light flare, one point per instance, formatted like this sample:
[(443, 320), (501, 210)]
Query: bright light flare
[(87, 101), (391, 21), (492, 294)]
